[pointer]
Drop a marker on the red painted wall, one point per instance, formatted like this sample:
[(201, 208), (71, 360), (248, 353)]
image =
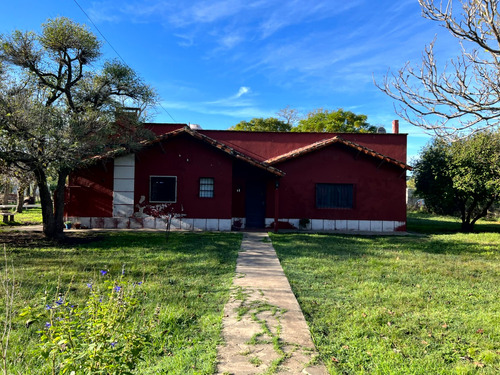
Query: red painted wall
[(379, 189), (90, 191), (379, 192), (188, 159), (266, 145)]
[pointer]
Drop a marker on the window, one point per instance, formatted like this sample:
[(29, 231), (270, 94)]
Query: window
[(163, 189), (334, 195), (206, 187)]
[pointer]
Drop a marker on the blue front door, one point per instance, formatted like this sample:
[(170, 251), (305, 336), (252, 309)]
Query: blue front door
[(255, 206)]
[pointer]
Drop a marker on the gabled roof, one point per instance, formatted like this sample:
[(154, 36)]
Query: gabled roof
[(336, 139), (219, 145), (266, 165)]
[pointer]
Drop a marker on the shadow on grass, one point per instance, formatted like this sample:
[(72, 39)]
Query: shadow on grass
[(431, 224), (347, 247)]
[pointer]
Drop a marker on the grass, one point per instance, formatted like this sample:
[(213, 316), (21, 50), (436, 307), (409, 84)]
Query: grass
[(186, 282), (423, 222), (423, 304), (30, 216)]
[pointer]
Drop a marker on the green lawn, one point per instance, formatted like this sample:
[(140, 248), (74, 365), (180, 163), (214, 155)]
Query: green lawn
[(185, 282), (422, 304), (423, 222), (30, 216)]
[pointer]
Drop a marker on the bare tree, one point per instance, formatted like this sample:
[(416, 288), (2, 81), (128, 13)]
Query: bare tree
[(463, 96), (289, 115)]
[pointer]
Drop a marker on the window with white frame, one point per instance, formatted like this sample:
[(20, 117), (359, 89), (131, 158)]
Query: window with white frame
[(163, 189), (206, 187), (334, 195)]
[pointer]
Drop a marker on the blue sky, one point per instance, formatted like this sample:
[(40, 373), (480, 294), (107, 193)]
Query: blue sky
[(217, 62)]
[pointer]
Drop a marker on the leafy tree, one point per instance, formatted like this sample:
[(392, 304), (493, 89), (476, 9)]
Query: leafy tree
[(56, 112), (318, 120), (463, 96), (461, 178), (339, 121), (269, 124)]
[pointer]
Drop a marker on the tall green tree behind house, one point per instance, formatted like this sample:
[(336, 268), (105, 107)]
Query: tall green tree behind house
[(461, 178), (57, 110), (319, 120), (339, 121), (260, 124)]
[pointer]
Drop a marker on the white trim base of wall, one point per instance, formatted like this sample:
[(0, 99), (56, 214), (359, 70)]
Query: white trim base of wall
[(149, 222), (344, 225), (223, 225)]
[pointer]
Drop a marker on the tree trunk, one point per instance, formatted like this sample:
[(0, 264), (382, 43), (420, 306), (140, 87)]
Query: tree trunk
[(5, 198), (59, 198), (20, 196), (467, 227), (49, 228)]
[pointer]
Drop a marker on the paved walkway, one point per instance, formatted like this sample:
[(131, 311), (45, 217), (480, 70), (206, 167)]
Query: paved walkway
[(263, 327)]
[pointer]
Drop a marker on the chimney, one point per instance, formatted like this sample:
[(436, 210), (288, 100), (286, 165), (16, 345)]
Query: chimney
[(127, 113), (395, 126)]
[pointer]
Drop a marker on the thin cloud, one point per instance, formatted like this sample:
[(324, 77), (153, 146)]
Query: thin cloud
[(296, 12), (234, 100), (233, 106), (242, 91)]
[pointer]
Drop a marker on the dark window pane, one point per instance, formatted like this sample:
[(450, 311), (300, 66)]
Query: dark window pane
[(163, 189), (206, 187), (334, 195)]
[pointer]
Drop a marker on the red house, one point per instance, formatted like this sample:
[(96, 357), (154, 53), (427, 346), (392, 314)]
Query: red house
[(218, 180)]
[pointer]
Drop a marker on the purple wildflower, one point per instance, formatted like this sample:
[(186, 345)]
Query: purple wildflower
[(47, 325), (103, 272), (48, 307), (118, 288), (89, 285), (60, 301), (113, 343)]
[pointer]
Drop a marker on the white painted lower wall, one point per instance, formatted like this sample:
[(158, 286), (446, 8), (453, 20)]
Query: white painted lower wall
[(228, 224), (344, 225), (149, 222), (123, 186)]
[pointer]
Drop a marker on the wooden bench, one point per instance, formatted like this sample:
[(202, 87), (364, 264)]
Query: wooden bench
[(8, 216)]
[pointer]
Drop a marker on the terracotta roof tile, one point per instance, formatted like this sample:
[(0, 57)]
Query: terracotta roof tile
[(336, 139), (204, 138), (266, 164)]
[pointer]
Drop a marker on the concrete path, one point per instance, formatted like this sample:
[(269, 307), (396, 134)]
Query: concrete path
[(263, 327)]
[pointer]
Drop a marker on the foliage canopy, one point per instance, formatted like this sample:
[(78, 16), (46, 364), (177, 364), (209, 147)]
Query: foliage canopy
[(269, 124), (339, 121), (57, 110), (318, 120), (461, 178)]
